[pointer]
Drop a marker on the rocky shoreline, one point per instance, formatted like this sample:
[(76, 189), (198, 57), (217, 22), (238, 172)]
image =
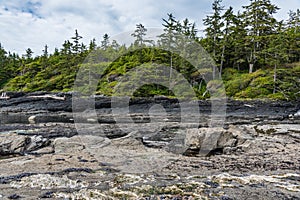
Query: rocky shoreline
[(254, 155)]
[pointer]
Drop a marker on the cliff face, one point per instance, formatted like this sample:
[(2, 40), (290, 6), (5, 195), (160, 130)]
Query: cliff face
[(150, 152)]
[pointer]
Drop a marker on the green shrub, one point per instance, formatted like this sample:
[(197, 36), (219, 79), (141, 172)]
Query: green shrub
[(253, 92)]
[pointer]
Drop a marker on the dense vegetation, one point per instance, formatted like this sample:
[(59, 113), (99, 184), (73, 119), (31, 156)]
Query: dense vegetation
[(256, 55)]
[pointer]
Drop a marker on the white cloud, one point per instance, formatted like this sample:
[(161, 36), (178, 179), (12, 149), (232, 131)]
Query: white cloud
[(34, 23)]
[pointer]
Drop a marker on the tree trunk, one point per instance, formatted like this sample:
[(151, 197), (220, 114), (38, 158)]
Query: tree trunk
[(275, 75), (170, 76), (251, 68), (251, 62), (222, 62)]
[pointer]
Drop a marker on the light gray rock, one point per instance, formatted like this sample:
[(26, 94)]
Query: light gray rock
[(279, 129), (78, 143), (32, 119), (242, 133), (226, 140), (13, 143), (210, 141), (204, 141), (194, 138), (45, 150), (36, 142)]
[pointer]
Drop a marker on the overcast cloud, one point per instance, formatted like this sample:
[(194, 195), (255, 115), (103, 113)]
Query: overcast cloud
[(33, 24)]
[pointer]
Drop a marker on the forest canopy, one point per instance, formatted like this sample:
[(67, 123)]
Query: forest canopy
[(255, 54)]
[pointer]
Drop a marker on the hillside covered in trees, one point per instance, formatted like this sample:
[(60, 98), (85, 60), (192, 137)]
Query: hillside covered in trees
[(256, 55)]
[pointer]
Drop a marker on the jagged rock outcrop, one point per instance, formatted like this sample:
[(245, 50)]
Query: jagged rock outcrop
[(13, 144)]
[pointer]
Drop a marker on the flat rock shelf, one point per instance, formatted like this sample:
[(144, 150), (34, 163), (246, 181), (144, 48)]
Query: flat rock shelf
[(253, 155)]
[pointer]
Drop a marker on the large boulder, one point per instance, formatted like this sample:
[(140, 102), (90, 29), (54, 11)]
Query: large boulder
[(206, 141)]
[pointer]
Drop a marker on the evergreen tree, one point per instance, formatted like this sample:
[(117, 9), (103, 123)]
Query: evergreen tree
[(186, 43), (140, 41), (277, 51), (92, 45), (29, 54), (115, 45), (189, 29), (76, 39), (226, 41), (56, 52), (260, 23), (168, 40), (238, 54), (213, 32), (105, 42), (44, 58), (82, 47), (292, 29), (171, 28), (139, 35), (3, 58), (294, 20), (67, 48), (2, 55), (45, 52)]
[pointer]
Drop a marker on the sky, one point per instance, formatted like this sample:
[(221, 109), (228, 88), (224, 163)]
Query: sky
[(35, 23)]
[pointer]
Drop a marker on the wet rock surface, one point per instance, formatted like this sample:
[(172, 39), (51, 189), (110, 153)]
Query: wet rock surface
[(254, 155)]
